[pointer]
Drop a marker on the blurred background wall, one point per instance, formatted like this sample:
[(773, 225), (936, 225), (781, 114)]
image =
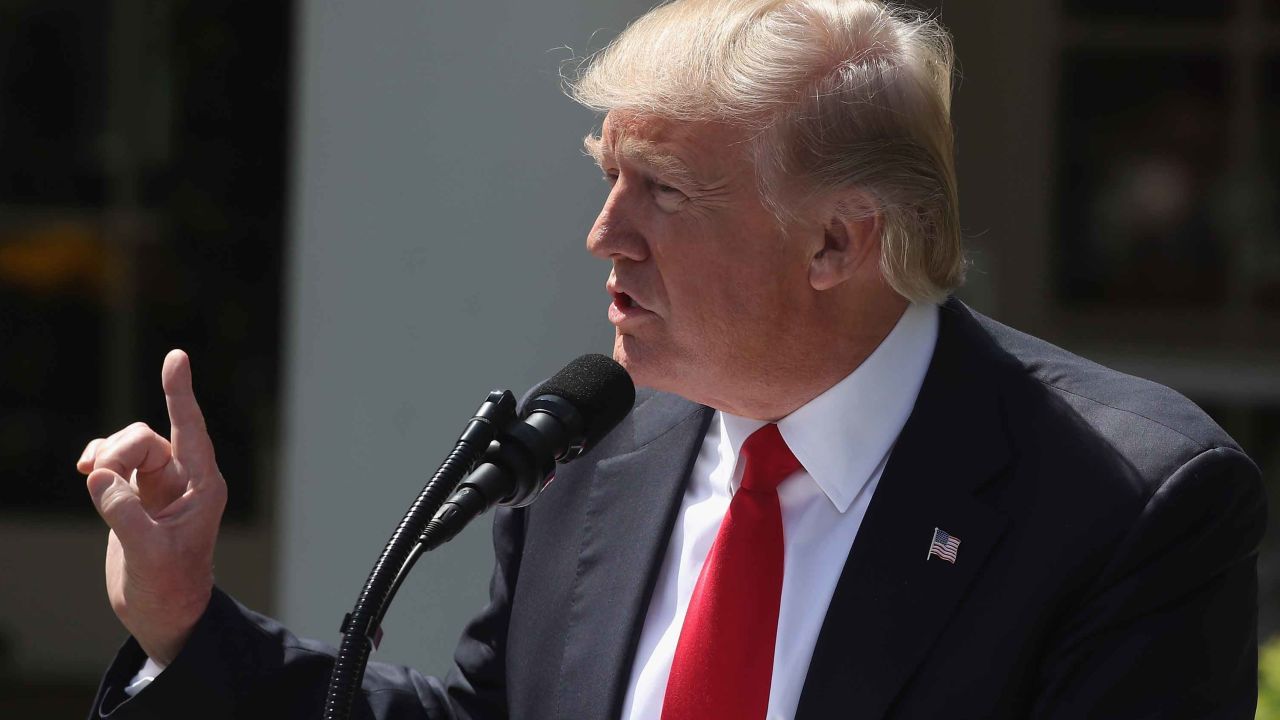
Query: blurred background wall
[(359, 218)]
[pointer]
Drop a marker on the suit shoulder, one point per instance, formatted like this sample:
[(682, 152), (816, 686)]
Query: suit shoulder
[(1117, 437), (1108, 400), (1092, 448)]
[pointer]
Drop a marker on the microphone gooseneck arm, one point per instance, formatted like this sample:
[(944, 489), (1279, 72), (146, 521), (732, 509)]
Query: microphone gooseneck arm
[(361, 627), (569, 413)]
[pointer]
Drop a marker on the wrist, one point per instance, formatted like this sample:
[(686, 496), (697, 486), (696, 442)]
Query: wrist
[(163, 642)]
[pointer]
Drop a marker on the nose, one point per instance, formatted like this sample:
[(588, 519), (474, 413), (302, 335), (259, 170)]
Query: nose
[(616, 234)]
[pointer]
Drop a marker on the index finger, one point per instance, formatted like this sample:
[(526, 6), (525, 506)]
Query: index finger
[(188, 434)]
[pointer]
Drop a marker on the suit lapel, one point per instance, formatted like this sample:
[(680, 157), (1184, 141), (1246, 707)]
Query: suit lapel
[(634, 498), (891, 603)]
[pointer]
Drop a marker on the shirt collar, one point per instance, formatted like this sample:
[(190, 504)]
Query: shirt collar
[(843, 435)]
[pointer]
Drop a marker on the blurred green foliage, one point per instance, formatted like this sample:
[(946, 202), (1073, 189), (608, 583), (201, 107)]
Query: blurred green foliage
[(1269, 680)]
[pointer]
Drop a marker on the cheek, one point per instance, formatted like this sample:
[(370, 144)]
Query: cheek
[(695, 265), (713, 313), (722, 280), (699, 288)]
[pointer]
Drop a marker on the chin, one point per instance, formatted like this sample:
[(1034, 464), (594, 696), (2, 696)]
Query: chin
[(639, 360), (626, 353), (649, 366)]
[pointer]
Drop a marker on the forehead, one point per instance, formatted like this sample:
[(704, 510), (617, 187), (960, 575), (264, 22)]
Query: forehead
[(631, 127), (705, 147)]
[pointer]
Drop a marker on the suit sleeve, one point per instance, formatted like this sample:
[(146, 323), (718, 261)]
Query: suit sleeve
[(1169, 630), (239, 664)]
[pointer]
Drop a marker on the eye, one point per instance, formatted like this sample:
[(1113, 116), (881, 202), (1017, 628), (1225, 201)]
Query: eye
[(610, 176), (668, 197), (666, 192)]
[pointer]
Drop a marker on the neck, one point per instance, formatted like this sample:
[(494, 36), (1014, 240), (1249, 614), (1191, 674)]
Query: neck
[(818, 358)]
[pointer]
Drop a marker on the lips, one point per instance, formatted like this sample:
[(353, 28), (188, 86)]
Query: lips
[(623, 300), (621, 296), (625, 308)]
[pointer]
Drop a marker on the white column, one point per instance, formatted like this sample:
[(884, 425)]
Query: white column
[(440, 207)]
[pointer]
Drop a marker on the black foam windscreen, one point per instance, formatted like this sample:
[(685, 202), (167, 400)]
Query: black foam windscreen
[(599, 388)]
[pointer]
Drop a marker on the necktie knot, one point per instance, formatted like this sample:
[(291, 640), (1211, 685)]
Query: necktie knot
[(768, 460)]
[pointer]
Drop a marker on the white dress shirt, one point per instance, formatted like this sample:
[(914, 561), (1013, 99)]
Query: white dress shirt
[(144, 677), (842, 439)]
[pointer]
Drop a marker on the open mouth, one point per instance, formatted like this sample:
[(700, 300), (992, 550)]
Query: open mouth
[(625, 309)]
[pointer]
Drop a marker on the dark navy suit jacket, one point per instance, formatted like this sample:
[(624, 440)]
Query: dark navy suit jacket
[(1107, 569)]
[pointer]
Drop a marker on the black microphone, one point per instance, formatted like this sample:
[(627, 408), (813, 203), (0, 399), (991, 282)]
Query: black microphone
[(565, 418)]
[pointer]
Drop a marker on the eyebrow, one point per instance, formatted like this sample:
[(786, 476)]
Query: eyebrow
[(644, 153)]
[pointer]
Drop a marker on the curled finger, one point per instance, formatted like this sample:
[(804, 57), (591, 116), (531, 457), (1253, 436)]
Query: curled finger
[(85, 463), (137, 447)]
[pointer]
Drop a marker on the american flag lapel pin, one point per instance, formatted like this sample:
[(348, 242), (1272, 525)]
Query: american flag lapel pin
[(944, 546)]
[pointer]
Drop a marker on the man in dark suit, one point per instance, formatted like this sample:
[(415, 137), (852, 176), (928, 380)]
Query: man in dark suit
[(845, 495)]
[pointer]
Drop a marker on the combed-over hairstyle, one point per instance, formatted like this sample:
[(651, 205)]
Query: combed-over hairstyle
[(837, 94)]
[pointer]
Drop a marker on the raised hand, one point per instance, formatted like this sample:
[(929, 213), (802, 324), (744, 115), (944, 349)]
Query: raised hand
[(163, 500)]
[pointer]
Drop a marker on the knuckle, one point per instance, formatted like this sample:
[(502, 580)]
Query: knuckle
[(125, 443), (110, 448), (139, 430), (117, 437)]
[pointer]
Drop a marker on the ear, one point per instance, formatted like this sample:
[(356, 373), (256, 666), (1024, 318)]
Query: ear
[(850, 238)]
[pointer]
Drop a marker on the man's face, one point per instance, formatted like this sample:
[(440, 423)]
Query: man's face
[(703, 283)]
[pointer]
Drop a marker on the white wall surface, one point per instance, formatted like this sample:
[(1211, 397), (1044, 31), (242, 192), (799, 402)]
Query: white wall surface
[(440, 207)]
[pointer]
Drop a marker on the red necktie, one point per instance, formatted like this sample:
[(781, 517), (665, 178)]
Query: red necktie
[(723, 664)]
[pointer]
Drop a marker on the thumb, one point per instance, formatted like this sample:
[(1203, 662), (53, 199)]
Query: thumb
[(118, 503)]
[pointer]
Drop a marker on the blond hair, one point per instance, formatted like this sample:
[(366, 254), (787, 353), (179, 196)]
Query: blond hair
[(838, 94)]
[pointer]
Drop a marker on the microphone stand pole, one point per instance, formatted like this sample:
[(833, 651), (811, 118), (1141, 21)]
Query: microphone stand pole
[(361, 628)]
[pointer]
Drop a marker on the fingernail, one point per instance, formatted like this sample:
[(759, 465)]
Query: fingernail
[(84, 456)]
